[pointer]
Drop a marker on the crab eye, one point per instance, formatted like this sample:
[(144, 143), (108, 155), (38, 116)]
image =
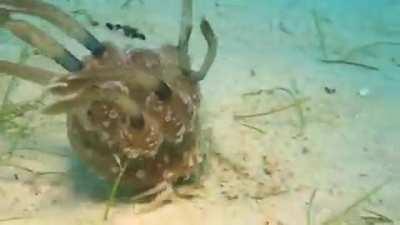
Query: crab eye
[(163, 92), (137, 122), (90, 113)]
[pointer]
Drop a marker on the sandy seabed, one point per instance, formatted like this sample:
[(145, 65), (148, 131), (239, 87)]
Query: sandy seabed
[(303, 165)]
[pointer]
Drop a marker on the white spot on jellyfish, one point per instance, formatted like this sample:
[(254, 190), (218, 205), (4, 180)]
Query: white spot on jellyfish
[(152, 131), (148, 140), (179, 134), (113, 85), (190, 161), (199, 158), (158, 108), (140, 174), (166, 159), (121, 134), (110, 143), (167, 174), (113, 114), (168, 116), (131, 153), (185, 99), (105, 136), (114, 169), (149, 64), (106, 123)]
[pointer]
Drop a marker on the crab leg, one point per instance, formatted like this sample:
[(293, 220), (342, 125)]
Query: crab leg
[(135, 78), (28, 73), (40, 40), (185, 32), (58, 18), (212, 43)]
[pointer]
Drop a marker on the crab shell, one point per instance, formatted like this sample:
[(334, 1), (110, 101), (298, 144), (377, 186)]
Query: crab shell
[(160, 142), (129, 114)]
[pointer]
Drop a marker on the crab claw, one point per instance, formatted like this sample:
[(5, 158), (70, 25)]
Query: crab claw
[(39, 39), (183, 44), (58, 18), (212, 43)]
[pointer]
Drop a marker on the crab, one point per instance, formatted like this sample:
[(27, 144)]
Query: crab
[(131, 116)]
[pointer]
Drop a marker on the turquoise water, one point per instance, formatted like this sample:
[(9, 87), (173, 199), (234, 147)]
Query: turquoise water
[(324, 75)]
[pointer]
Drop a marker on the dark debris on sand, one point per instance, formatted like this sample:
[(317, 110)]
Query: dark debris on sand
[(130, 32)]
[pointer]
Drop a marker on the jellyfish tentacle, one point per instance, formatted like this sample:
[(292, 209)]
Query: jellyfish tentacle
[(29, 73), (58, 18), (212, 43)]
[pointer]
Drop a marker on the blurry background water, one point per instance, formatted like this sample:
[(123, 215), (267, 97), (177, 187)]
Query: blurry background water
[(317, 162)]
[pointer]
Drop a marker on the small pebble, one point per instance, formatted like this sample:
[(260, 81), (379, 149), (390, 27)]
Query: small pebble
[(363, 92), (140, 174), (252, 73)]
